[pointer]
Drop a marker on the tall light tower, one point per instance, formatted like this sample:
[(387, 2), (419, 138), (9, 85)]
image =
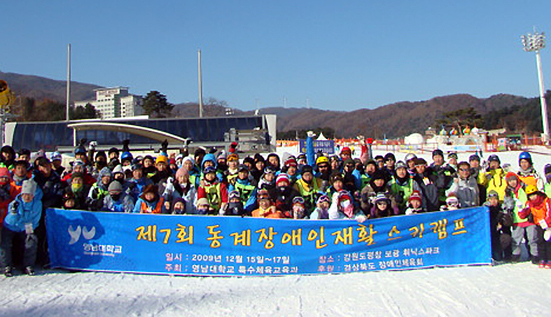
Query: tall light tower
[(534, 43)]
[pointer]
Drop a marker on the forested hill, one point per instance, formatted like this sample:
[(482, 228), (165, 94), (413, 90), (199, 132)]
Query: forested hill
[(38, 88), (393, 120)]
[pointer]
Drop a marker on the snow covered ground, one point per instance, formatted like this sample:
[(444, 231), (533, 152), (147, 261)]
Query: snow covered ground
[(507, 290), (520, 289)]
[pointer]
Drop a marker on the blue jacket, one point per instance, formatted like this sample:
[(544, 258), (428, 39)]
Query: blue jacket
[(24, 213), (251, 203), (212, 158), (137, 186)]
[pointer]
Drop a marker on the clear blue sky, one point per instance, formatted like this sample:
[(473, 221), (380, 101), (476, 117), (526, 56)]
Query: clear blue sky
[(340, 55)]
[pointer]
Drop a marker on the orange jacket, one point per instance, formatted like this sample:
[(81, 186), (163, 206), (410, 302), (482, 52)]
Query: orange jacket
[(540, 209), (271, 212)]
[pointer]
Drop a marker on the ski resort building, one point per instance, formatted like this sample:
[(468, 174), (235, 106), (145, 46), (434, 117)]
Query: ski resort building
[(115, 102)]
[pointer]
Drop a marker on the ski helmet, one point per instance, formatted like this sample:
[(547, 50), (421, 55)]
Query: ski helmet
[(525, 156)]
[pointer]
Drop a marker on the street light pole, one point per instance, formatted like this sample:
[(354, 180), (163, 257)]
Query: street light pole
[(534, 43)]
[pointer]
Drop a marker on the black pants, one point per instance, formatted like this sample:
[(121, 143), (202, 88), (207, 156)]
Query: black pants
[(545, 247), (6, 247)]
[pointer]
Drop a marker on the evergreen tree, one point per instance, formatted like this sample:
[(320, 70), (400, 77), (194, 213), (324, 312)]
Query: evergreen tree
[(155, 104)]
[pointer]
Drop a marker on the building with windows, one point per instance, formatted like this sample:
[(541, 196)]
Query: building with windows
[(253, 132), (115, 102)]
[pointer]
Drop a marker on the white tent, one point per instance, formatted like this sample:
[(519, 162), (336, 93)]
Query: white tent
[(321, 137)]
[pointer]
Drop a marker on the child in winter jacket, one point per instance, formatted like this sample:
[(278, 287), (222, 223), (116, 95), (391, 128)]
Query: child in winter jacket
[(265, 207), (538, 213), (322, 209), (22, 220), (382, 207), (452, 203), (514, 201), (213, 190), (500, 227), (415, 202), (343, 208), (150, 202)]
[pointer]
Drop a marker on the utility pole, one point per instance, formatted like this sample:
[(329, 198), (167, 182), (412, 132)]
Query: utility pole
[(200, 85), (68, 81)]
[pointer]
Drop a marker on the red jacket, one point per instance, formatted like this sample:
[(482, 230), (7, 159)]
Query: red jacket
[(13, 191)]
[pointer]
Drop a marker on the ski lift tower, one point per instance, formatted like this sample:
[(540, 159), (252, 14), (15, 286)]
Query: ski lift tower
[(534, 43)]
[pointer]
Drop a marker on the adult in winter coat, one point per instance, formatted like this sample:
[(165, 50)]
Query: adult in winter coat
[(377, 185), (476, 169), (427, 185), (117, 199), (20, 224), (442, 176), (352, 177), (494, 177), (402, 186), (465, 187), (308, 187), (52, 190)]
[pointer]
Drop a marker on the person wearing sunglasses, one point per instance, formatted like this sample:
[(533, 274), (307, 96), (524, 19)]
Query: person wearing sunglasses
[(465, 187)]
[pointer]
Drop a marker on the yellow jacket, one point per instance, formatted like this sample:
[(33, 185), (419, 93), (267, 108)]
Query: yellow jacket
[(494, 180)]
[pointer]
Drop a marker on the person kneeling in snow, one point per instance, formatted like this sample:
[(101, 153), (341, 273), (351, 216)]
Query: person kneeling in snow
[(452, 203), (415, 202), (343, 208), (265, 207), (22, 219), (150, 202), (382, 207), (322, 209)]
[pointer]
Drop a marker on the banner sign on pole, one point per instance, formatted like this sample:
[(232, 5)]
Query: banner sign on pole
[(234, 246), (325, 146)]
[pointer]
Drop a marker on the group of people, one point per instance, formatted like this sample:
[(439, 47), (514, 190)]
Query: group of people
[(307, 186)]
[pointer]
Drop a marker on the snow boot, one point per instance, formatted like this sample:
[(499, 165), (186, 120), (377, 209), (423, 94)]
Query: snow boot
[(8, 271), (29, 270)]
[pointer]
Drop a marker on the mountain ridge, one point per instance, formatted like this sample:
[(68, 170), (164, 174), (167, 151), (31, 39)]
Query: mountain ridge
[(391, 120)]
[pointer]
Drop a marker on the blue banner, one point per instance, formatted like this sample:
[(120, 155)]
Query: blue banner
[(234, 246), (325, 146)]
